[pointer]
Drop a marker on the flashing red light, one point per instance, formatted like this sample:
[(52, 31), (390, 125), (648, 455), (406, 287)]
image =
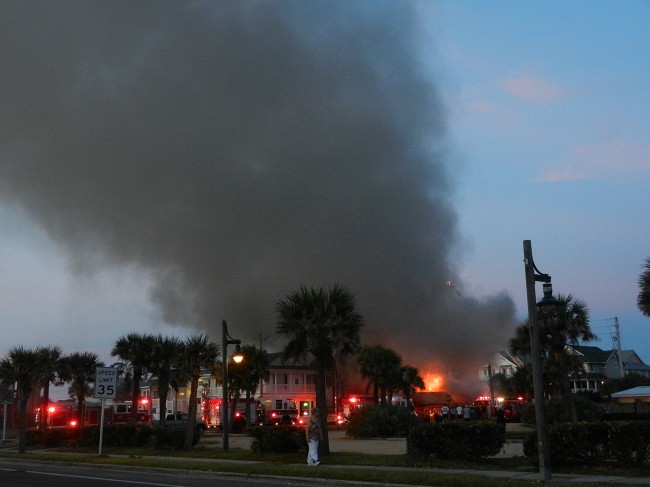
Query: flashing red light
[(51, 409), (237, 414), (144, 401), (274, 414), (353, 400), (73, 423), (520, 398)]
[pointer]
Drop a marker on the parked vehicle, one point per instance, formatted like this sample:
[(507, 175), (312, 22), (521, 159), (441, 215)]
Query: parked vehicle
[(274, 411), (179, 421)]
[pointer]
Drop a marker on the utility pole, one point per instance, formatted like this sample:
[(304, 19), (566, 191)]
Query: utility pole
[(538, 383), (491, 391), (618, 347)]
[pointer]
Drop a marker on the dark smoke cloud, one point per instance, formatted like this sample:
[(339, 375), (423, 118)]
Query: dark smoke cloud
[(235, 150)]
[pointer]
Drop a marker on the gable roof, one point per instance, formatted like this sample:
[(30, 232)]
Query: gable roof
[(277, 362), (592, 354)]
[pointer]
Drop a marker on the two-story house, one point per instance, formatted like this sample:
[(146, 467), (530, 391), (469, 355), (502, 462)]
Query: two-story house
[(599, 366)]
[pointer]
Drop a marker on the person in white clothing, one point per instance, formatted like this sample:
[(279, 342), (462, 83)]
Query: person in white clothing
[(314, 434)]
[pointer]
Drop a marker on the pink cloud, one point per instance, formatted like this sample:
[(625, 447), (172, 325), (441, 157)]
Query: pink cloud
[(532, 88)]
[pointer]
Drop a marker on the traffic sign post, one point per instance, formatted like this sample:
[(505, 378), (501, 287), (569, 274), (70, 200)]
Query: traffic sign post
[(105, 388)]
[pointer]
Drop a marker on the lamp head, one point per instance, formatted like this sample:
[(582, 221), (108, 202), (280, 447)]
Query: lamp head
[(548, 303), (238, 356)]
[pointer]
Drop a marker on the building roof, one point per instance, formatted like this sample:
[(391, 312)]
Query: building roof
[(277, 362), (592, 354), (640, 391)]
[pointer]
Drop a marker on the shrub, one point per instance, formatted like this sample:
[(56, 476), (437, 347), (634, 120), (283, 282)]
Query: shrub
[(460, 440), (278, 439), (50, 438), (577, 444), (376, 421), (631, 442), (556, 412)]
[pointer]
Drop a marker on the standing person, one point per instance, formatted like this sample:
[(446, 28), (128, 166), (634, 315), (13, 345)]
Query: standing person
[(445, 413), (467, 414), (459, 412), (314, 435)]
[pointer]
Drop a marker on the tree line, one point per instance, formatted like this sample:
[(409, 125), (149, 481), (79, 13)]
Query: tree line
[(320, 325)]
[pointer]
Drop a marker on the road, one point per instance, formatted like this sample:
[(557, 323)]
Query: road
[(22, 473)]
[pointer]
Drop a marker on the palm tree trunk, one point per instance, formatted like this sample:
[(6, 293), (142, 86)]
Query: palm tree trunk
[(45, 407), (321, 403), (22, 425), (191, 415), (135, 394), (162, 399)]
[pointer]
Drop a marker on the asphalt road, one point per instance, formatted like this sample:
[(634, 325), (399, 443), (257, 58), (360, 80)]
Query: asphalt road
[(21, 473)]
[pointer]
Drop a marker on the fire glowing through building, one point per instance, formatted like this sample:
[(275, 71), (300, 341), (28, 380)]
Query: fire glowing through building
[(433, 381)]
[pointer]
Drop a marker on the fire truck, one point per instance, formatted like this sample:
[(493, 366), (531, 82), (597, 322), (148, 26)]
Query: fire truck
[(211, 413), (350, 404), (63, 414), (277, 410)]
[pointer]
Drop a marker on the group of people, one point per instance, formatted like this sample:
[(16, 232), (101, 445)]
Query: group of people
[(457, 412)]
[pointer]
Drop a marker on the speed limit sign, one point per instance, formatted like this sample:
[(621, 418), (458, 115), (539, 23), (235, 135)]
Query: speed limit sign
[(106, 383)]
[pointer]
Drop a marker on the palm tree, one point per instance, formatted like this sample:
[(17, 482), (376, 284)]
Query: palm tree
[(568, 325), (80, 369), (21, 367), (247, 375), (381, 366), (165, 354), (410, 382), (643, 299), (135, 351), (321, 323), (198, 353), (48, 364)]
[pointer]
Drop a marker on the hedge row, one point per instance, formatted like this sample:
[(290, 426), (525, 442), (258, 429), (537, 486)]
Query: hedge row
[(588, 443), (115, 435), (373, 421), (460, 440)]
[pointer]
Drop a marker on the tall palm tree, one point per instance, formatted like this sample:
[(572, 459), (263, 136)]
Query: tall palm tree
[(48, 364), (381, 365), (198, 353), (321, 323), (643, 299), (79, 369), (135, 351), (21, 367), (165, 354)]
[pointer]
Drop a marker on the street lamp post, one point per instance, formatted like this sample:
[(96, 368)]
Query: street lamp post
[(532, 275), (227, 340)]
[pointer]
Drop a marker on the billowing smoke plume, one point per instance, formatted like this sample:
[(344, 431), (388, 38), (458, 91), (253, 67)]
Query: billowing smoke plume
[(235, 150)]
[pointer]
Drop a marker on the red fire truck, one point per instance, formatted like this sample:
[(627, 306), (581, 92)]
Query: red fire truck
[(63, 414)]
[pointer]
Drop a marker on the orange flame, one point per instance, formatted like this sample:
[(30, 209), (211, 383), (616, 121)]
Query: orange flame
[(433, 382)]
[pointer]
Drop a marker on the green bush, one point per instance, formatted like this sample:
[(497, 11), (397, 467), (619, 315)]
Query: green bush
[(278, 439), (631, 442), (556, 410), (457, 440), (376, 421), (51, 438), (594, 443)]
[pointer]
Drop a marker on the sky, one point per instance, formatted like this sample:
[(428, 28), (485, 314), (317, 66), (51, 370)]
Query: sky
[(169, 165)]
